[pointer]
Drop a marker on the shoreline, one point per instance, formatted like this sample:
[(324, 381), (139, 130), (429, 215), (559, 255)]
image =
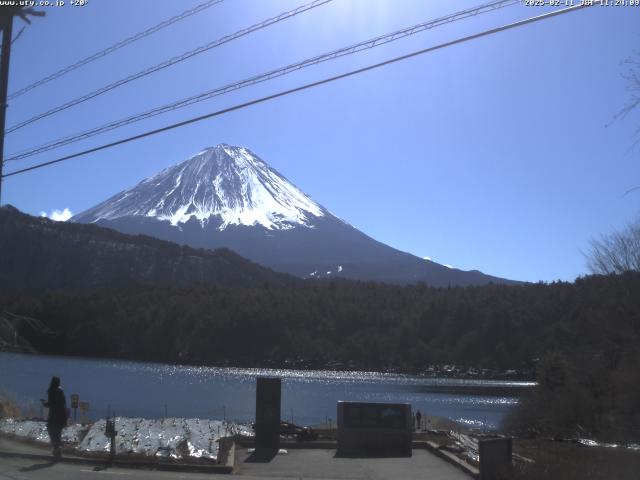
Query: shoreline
[(217, 392), (419, 374)]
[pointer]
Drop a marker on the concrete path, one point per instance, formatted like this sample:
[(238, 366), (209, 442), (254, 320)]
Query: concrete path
[(311, 464), (422, 465), (321, 464), (25, 469)]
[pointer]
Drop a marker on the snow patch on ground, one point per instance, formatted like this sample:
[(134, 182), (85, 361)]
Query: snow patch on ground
[(176, 438), (37, 430)]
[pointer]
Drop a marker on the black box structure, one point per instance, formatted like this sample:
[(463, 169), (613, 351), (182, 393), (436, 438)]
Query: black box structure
[(268, 399), (495, 458), (374, 429)]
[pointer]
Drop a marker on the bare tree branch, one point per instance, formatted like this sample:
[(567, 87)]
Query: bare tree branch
[(617, 252)]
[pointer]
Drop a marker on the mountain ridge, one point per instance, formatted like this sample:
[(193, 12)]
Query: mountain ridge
[(227, 196), (48, 255)]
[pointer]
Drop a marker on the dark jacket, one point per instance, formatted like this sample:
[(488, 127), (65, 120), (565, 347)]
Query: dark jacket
[(57, 405)]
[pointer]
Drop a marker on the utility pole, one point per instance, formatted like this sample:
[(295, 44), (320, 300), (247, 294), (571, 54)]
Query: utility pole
[(6, 23), (7, 28)]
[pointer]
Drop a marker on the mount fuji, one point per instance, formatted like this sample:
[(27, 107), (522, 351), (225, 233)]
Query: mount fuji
[(227, 196)]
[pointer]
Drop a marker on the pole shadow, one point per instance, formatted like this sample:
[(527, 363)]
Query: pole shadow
[(38, 466), (261, 456)]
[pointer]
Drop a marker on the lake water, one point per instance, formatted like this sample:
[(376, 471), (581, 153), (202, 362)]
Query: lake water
[(155, 390)]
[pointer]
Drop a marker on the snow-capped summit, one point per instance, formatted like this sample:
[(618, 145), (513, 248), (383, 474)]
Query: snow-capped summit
[(227, 196), (229, 184)]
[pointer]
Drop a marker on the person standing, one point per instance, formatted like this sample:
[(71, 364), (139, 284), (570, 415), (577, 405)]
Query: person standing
[(418, 420), (57, 419)]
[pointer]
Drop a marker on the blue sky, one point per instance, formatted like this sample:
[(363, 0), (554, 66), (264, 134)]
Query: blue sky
[(500, 154)]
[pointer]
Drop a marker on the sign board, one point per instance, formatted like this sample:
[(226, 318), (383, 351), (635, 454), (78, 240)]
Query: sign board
[(74, 400), (84, 406), (374, 428), (495, 458), (268, 397)]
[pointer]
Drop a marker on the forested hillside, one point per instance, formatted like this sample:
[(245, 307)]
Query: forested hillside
[(41, 255), (363, 325)]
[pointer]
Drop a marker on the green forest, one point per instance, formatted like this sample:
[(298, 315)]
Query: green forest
[(363, 325), (580, 340)]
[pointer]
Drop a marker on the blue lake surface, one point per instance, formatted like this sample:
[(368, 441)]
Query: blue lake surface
[(153, 390)]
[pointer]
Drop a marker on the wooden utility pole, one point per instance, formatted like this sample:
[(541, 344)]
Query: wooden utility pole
[(7, 27), (6, 23)]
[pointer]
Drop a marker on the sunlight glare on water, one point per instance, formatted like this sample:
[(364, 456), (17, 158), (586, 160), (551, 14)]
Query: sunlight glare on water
[(153, 390)]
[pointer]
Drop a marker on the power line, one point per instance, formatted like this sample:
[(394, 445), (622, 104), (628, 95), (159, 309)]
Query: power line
[(352, 49), (170, 62), (117, 46), (303, 87), (18, 35)]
